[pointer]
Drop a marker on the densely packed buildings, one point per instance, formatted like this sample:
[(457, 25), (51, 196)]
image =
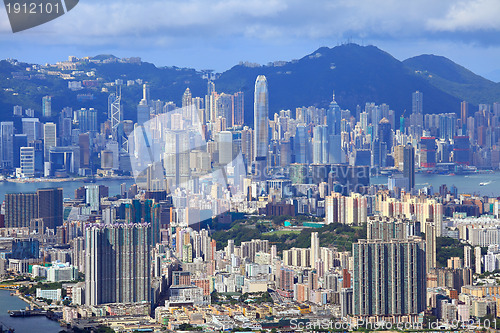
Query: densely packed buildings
[(150, 250)]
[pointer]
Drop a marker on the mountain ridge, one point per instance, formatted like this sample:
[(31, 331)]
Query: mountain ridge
[(357, 74)]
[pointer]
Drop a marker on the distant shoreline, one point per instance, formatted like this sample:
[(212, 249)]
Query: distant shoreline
[(62, 180)]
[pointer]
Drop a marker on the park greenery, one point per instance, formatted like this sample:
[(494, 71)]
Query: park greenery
[(339, 235)]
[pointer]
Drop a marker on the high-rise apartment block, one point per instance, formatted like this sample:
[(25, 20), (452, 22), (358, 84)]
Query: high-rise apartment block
[(389, 278), (118, 266)]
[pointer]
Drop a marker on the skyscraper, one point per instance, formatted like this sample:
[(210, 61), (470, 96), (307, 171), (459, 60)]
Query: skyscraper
[(32, 128), (225, 142), (27, 161), (239, 108), (417, 100), (50, 206), (389, 278), (464, 113), (261, 124), (334, 118), (49, 139), (301, 144), (7, 144), (47, 106), (385, 133), (320, 144), (115, 113), (409, 166), (430, 245), (117, 261), (315, 250), (20, 208)]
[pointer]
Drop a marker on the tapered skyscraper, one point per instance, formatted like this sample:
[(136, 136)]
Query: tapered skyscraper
[(261, 114)]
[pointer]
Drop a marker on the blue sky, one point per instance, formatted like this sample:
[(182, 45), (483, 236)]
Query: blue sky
[(217, 34)]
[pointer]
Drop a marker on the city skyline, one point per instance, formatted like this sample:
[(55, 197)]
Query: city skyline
[(344, 190)]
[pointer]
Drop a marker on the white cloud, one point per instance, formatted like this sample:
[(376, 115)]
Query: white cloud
[(469, 16), (171, 23)]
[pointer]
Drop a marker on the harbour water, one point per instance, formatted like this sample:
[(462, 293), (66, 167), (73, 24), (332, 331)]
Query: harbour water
[(464, 183), (68, 187), (23, 324)]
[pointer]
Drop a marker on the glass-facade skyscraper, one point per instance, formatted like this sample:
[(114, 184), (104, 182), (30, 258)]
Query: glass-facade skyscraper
[(261, 115)]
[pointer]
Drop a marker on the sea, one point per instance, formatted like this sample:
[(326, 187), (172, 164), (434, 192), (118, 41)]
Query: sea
[(470, 183), (68, 187), (464, 183), (23, 324)]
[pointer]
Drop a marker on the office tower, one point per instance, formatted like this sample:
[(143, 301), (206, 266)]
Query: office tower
[(333, 121), (65, 126), (50, 206), (239, 108), (115, 113), (315, 249), (176, 158), (143, 109), (477, 260), (92, 198), (84, 144), (49, 139), (385, 133), (145, 93), (224, 108), (430, 245), (301, 144), (333, 118), (187, 105), (20, 140), (427, 152), (447, 125), (47, 106), (389, 278), (142, 112), (117, 264), (461, 150), (210, 102), (464, 113), (320, 144), (20, 208), (28, 248), (32, 128), (38, 147), (87, 120), (247, 145), (27, 161), (417, 101), (7, 144), (409, 166), (261, 124), (225, 143)]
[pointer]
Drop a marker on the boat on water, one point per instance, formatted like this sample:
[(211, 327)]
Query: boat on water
[(484, 183)]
